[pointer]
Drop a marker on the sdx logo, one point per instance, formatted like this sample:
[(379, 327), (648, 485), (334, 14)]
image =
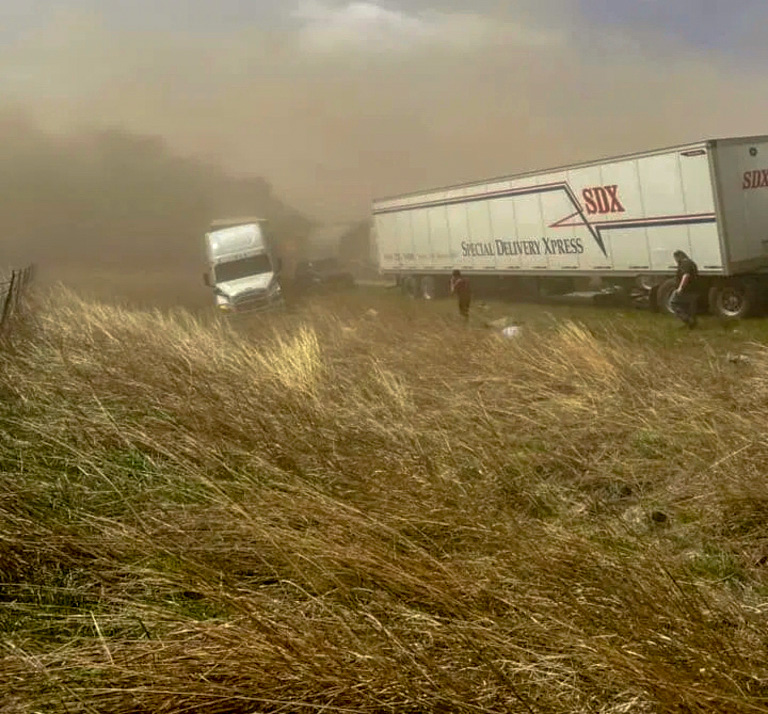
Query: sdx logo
[(755, 179), (602, 200)]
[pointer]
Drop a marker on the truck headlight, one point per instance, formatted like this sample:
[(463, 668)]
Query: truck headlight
[(224, 302)]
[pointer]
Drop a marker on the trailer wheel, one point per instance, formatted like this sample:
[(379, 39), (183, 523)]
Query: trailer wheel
[(732, 300), (664, 295), (409, 286), (653, 299)]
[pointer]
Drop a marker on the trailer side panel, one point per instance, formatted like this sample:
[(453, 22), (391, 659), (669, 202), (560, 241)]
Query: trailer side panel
[(624, 216)]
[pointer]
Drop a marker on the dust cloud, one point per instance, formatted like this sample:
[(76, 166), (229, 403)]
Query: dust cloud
[(86, 208), (119, 145)]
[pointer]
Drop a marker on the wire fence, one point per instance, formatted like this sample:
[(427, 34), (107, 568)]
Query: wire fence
[(12, 293)]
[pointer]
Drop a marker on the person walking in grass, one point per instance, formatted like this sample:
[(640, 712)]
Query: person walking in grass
[(683, 302), (460, 288)]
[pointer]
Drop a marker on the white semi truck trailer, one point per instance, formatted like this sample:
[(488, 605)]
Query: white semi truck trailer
[(615, 221)]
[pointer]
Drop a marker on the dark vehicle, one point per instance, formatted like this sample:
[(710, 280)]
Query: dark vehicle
[(327, 273)]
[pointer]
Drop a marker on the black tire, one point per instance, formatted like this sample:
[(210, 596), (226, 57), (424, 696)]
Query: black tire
[(732, 299), (410, 286), (664, 295)]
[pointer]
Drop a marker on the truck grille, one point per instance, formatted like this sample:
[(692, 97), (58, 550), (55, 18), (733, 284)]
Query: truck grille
[(256, 303)]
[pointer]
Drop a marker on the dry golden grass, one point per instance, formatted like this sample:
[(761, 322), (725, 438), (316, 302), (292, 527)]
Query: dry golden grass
[(339, 511)]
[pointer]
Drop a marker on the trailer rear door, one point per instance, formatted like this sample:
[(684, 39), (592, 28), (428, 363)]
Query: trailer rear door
[(741, 174)]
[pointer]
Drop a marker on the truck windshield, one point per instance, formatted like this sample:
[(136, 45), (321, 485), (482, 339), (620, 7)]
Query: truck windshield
[(235, 269)]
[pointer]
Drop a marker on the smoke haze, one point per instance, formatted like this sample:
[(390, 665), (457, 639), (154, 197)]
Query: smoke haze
[(86, 208), (330, 104)]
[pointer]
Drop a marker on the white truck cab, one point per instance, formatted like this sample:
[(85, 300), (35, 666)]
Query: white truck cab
[(241, 269)]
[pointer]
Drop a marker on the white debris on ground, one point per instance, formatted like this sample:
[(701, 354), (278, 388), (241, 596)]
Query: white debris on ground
[(511, 331), (508, 327)]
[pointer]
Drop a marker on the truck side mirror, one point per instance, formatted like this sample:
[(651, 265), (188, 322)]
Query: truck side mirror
[(279, 265), (207, 279)]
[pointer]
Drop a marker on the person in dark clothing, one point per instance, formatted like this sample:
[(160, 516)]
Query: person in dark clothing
[(683, 302), (460, 288)]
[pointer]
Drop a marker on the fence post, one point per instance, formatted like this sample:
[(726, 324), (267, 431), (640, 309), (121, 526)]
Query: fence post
[(8, 300), (17, 292), (11, 300)]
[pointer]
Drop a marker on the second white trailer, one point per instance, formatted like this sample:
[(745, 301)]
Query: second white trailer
[(618, 219)]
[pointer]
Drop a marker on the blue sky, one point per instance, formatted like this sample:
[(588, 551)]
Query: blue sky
[(721, 25)]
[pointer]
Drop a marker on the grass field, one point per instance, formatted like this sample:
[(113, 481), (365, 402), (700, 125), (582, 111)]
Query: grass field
[(363, 506)]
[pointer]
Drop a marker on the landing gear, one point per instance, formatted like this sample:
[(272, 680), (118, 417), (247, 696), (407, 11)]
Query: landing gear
[(428, 287)]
